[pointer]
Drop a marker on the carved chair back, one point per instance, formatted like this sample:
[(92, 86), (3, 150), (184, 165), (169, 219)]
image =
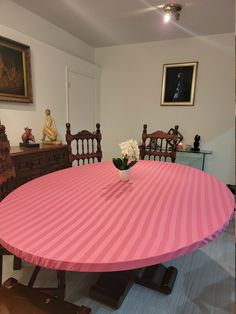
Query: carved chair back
[(158, 145), (7, 168), (84, 146)]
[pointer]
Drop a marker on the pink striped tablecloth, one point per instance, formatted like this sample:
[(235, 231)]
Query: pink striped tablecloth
[(85, 219)]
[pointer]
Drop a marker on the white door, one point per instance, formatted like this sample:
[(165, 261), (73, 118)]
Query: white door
[(82, 101), (82, 105)]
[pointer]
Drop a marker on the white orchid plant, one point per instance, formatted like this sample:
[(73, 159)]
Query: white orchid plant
[(130, 155)]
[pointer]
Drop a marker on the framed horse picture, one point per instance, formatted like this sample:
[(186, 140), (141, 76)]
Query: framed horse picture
[(179, 84), (15, 72)]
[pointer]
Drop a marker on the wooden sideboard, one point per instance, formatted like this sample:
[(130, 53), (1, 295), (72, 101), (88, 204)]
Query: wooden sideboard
[(31, 163)]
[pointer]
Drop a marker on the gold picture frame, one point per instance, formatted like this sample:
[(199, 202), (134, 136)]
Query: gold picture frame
[(179, 84), (15, 72)]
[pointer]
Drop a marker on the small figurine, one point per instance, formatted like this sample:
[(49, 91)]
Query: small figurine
[(196, 143), (175, 131), (27, 136), (49, 129)]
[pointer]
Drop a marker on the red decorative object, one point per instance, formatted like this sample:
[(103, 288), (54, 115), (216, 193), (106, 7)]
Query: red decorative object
[(180, 147), (27, 136)]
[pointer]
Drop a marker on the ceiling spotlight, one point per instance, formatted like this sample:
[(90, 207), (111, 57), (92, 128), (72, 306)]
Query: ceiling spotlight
[(171, 10), (167, 17)]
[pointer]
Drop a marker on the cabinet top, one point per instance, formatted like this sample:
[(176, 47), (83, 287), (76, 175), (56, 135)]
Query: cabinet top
[(201, 151), (17, 150)]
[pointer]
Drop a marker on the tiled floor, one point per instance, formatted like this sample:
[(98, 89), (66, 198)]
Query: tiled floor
[(205, 284)]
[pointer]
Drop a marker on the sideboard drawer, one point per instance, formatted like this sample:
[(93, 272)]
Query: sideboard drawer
[(23, 177), (52, 158), (31, 163), (56, 167), (36, 162)]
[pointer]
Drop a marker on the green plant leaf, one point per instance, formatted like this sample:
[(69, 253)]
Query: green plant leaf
[(117, 163), (125, 164), (132, 163)]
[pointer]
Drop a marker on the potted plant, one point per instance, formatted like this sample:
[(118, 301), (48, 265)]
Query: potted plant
[(130, 155)]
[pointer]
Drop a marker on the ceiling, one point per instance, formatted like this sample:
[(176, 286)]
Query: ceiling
[(113, 22)]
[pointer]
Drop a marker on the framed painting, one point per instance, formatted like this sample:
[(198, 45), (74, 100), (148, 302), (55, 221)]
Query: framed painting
[(15, 71), (178, 84)]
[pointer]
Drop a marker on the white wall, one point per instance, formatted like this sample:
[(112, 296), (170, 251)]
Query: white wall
[(24, 21), (49, 88), (131, 91)]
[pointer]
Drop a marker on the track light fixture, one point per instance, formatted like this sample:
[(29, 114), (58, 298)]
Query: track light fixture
[(171, 10)]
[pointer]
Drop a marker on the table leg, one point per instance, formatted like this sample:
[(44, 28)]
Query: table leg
[(61, 288), (158, 277), (16, 263), (203, 162), (112, 288), (1, 265), (34, 276)]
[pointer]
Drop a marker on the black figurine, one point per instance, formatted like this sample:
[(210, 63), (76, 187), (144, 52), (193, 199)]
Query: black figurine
[(196, 143)]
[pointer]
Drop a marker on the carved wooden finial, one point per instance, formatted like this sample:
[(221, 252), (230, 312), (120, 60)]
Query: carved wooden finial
[(2, 128), (68, 128), (145, 128), (3, 135), (98, 128)]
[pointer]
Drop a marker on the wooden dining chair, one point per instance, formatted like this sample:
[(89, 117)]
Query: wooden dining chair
[(84, 146), (158, 145), (7, 184)]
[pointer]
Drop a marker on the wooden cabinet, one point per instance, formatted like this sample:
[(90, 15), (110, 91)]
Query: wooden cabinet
[(31, 163)]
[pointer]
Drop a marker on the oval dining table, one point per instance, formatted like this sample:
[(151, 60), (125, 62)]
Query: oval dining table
[(85, 219)]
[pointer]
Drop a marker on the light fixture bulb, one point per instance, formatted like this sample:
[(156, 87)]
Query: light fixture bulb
[(166, 17), (171, 10)]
